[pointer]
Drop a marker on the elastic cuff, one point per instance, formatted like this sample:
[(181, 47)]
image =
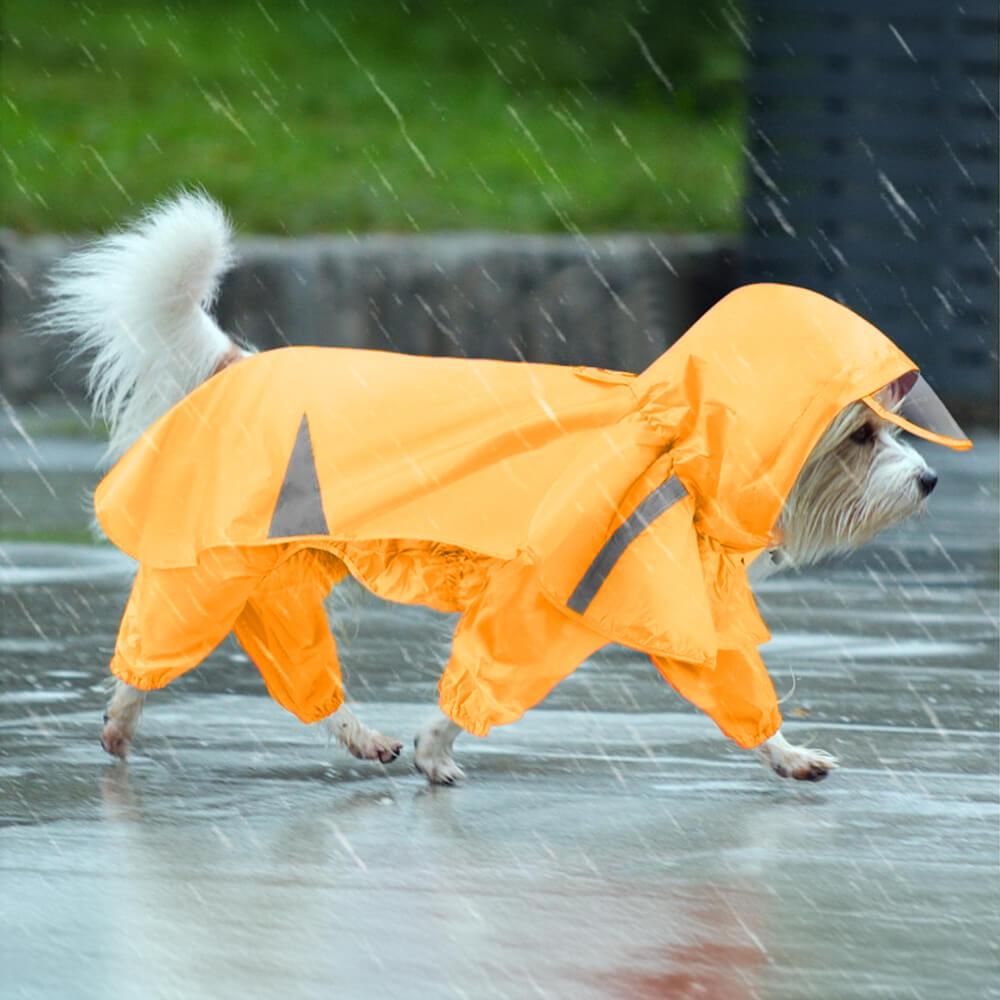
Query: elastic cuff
[(756, 741), (320, 712), (456, 711), (143, 681), (469, 706)]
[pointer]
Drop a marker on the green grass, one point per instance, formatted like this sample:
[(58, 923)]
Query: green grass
[(51, 537), (312, 116)]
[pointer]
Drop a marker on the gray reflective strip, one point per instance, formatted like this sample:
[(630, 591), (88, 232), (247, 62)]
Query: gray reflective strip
[(299, 510), (660, 500)]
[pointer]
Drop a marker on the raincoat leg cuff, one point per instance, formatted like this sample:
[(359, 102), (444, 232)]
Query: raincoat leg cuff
[(762, 736), (459, 713), (471, 706), (147, 680), (318, 712)]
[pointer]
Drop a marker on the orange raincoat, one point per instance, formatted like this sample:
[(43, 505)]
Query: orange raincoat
[(557, 508)]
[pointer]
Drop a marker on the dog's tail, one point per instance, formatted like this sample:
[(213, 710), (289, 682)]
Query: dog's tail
[(137, 301)]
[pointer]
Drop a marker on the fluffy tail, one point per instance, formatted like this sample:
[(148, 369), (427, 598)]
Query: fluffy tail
[(137, 300)]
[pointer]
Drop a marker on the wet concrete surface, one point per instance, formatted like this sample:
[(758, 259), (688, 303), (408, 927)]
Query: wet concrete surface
[(610, 845)]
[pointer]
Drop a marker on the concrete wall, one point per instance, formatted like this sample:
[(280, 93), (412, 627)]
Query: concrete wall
[(613, 301)]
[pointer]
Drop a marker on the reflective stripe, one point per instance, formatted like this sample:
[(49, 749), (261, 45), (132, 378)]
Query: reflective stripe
[(299, 510), (660, 500)]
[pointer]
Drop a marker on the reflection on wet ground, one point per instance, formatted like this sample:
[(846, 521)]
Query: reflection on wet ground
[(609, 845)]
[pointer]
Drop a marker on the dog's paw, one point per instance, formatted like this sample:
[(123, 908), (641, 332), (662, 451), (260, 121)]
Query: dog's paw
[(800, 763), (435, 763), (122, 719), (372, 745), (360, 741), (443, 771), (116, 737), (808, 765)]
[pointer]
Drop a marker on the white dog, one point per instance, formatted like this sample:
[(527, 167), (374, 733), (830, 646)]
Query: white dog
[(138, 301)]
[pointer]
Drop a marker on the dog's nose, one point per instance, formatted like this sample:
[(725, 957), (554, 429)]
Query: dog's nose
[(928, 480)]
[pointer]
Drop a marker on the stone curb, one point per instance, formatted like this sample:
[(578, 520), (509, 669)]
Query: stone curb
[(613, 301)]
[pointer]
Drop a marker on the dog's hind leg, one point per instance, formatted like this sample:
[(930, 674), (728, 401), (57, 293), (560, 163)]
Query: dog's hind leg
[(432, 750), (122, 718), (360, 741), (802, 763)]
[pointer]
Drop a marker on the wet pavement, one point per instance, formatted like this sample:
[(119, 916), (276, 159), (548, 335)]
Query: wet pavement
[(610, 845)]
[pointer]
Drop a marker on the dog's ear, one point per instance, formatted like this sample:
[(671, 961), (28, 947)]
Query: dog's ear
[(844, 425)]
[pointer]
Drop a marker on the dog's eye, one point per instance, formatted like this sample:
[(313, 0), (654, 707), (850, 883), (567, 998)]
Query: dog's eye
[(864, 434)]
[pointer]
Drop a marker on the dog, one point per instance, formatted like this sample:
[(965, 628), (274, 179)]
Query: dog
[(137, 301)]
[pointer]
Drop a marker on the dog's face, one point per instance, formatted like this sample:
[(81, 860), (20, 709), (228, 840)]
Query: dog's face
[(860, 479)]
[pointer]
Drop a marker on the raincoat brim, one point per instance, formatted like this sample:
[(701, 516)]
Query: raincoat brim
[(913, 406)]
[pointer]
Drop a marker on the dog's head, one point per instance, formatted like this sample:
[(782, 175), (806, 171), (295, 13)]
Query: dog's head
[(796, 447), (860, 479)]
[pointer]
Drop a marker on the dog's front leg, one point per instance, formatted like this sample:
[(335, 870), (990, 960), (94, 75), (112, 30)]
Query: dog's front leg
[(122, 718), (432, 750), (802, 763)]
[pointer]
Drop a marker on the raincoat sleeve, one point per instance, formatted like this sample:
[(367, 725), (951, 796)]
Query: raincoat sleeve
[(175, 617), (270, 596), (737, 695)]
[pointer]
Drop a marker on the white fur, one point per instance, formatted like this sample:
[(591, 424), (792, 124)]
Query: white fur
[(138, 300), (432, 750), (122, 719), (789, 761), (850, 490), (359, 740)]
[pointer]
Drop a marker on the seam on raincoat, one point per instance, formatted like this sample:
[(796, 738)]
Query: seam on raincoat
[(642, 406), (609, 376)]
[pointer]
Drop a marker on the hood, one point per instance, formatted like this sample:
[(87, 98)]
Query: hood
[(746, 393)]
